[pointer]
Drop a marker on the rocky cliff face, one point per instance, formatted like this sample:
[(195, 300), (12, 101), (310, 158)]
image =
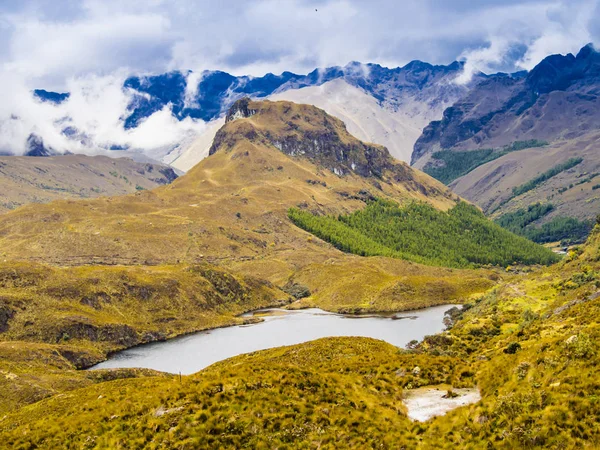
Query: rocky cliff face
[(306, 132)]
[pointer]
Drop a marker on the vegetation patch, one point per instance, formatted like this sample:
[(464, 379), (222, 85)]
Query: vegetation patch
[(461, 237), (568, 230), (532, 184), (450, 165)]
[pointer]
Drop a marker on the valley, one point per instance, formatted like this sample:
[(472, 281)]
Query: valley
[(289, 210), (286, 225), (43, 179), (509, 130), (524, 343)]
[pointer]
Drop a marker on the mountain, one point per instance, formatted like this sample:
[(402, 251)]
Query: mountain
[(36, 147), (216, 90), (26, 180), (556, 100), (82, 278), (401, 100), (259, 167), (53, 97), (509, 130)]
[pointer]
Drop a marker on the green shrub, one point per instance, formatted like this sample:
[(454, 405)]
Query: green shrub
[(512, 348)]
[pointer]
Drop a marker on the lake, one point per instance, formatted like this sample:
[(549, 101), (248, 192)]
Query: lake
[(190, 353)]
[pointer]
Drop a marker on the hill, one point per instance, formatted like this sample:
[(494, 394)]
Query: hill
[(41, 180), (230, 205), (529, 345), (83, 278)]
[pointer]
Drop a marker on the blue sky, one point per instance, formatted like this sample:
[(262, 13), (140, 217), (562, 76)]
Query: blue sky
[(47, 41)]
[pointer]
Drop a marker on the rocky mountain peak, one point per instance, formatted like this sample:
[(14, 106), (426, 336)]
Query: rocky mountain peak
[(562, 72), (240, 110), (36, 147), (305, 131)]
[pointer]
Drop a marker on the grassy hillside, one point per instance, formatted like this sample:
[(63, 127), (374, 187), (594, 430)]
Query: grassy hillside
[(530, 346), (26, 179), (533, 183), (460, 237), (55, 320)]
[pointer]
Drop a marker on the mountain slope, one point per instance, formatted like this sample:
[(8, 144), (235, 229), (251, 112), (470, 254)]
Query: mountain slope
[(405, 99), (508, 130), (530, 346), (571, 192), (40, 180), (557, 100)]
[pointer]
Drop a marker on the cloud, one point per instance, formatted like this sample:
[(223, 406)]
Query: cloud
[(253, 37), (567, 29), (94, 111), (54, 51), (88, 47), (483, 59), (520, 36)]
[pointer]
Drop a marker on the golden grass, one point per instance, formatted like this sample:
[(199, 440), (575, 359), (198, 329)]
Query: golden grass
[(346, 392)]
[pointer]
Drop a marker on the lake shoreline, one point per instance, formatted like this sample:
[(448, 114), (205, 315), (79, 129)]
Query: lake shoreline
[(307, 325), (279, 304)]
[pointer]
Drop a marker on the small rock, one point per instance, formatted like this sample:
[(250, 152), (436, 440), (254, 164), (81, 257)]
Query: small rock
[(571, 340), (416, 370), (161, 411)]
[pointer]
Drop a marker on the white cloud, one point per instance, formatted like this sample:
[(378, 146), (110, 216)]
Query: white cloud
[(89, 47), (483, 59), (95, 44), (567, 30), (95, 109), (541, 29)]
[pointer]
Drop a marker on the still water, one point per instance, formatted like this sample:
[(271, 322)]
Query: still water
[(193, 352)]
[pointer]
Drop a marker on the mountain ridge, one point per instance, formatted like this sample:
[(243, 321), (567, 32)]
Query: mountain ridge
[(416, 92), (514, 129)]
